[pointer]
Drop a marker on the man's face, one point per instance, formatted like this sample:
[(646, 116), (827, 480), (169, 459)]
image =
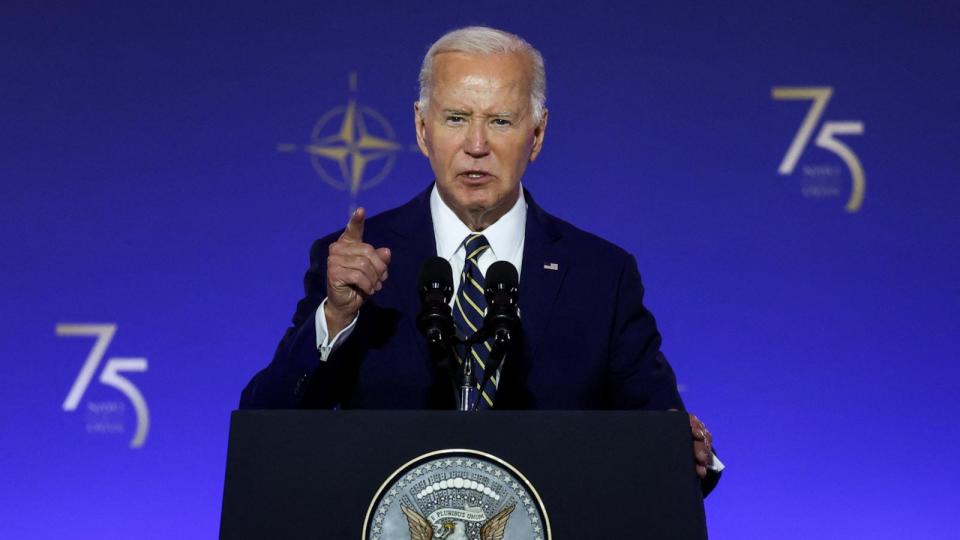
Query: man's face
[(479, 133)]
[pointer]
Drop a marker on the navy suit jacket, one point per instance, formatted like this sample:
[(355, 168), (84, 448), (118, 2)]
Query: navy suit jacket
[(587, 341)]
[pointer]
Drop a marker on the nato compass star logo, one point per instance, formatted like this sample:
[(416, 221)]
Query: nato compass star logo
[(352, 147)]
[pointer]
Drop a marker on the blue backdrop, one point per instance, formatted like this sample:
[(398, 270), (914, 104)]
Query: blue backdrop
[(165, 167)]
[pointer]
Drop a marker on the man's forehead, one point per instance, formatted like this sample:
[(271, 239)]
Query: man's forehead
[(462, 75)]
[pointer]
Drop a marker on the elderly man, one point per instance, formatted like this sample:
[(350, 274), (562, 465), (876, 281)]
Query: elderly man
[(587, 341)]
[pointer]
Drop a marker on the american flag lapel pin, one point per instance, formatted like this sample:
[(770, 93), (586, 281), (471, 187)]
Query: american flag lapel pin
[(551, 266)]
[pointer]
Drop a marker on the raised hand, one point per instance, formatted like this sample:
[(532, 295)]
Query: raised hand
[(355, 272)]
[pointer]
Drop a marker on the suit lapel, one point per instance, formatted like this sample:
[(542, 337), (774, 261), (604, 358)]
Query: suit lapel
[(415, 243), (544, 268)]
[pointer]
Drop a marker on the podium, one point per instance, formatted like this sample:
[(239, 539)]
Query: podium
[(580, 474)]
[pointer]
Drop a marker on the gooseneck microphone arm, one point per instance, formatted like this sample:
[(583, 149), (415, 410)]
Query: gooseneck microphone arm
[(435, 320)]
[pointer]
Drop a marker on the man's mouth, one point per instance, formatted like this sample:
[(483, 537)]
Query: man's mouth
[(475, 174)]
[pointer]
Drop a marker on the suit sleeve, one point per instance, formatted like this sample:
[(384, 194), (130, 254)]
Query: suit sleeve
[(640, 376), (644, 378), (296, 363)]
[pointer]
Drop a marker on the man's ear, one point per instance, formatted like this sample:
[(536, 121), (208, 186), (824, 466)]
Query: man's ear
[(538, 134), (420, 125)]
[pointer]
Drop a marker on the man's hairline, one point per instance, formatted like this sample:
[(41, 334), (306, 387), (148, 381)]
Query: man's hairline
[(528, 70)]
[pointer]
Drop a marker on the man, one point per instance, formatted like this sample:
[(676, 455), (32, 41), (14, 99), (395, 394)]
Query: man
[(587, 342)]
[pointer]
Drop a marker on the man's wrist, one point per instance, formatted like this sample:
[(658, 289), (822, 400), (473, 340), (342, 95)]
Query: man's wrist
[(336, 321)]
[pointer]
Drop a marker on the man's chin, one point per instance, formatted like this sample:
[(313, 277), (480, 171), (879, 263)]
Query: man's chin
[(475, 202)]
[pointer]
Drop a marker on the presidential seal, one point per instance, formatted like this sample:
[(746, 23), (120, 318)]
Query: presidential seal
[(456, 495)]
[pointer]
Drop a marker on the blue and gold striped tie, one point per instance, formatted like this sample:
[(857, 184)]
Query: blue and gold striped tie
[(468, 312)]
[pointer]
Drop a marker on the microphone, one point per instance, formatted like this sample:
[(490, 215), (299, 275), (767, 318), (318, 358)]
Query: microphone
[(435, 320), (502, 291), (502, 321)]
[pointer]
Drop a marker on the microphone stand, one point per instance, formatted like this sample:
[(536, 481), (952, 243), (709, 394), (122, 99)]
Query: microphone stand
[(466, 390), (442, 352), (463, 379)]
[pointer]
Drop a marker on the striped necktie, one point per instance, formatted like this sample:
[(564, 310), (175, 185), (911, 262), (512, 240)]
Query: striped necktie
[(468, 312)]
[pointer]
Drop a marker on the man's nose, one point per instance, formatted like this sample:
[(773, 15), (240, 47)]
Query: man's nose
[(475, 143)]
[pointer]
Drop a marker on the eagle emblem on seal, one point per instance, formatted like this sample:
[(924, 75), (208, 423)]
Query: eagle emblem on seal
[(421, 529)]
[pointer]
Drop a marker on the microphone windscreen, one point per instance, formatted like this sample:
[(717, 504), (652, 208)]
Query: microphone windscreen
[(503, 275), (435, 270)]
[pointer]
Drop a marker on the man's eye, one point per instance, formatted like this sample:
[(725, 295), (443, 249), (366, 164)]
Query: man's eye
[(501, 122), (455, 119)]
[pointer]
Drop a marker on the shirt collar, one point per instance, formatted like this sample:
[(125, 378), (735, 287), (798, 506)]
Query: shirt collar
[(505, 235)]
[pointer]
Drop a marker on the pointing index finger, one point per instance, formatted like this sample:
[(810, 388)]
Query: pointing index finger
[(354, 230)]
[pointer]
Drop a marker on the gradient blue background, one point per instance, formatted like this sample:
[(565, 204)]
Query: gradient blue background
[(140, 184)]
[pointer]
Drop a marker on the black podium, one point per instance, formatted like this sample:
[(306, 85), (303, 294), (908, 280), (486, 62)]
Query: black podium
[(315, 474)]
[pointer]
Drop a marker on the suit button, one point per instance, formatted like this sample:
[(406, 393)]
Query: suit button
[(301, 385)]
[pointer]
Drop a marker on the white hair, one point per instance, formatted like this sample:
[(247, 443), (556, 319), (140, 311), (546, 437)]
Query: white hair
[(482, 40)]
